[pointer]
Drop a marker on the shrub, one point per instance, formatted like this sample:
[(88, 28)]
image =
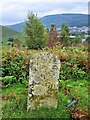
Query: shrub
[(69, 71), (7, 80), (74, 62), (14, 65)]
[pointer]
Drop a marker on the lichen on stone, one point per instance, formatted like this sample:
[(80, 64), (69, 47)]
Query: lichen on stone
[(43, 80), (39, 90)]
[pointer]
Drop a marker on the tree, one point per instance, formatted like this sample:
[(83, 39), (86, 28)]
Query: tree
[(16, 42), (10, 42), (34, 32), (52, 36), (11, 39), (64, 33)]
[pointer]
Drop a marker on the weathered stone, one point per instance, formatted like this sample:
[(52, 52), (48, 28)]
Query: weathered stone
[(43, 81)]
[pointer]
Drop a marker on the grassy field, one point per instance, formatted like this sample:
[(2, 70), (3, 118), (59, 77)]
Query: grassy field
[(73, 83), (14, 100), (9, 33)]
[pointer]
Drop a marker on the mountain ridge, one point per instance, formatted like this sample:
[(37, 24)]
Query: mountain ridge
[(71, 19)]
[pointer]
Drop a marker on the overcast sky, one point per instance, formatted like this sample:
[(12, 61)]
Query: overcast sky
[(15, 11)]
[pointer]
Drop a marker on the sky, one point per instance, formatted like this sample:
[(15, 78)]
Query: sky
[(15, 11)]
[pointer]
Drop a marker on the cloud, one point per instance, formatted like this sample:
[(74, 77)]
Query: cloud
[(22, 1), (16, 11)]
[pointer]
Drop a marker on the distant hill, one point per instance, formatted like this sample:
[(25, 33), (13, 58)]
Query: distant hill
[(18, 27), (9, 33), (70, 19)]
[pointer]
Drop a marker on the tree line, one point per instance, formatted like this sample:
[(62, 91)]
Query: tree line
[(37, 36)]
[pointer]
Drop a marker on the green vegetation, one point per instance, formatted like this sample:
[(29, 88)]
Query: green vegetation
[(74, 62), (37, 37), (74, 76), (34, 33), (64, 32), (8, 33), (14, 66), (74, 72), (14, 101)]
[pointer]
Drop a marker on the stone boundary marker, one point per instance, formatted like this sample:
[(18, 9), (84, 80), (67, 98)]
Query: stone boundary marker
[(43, 81)]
